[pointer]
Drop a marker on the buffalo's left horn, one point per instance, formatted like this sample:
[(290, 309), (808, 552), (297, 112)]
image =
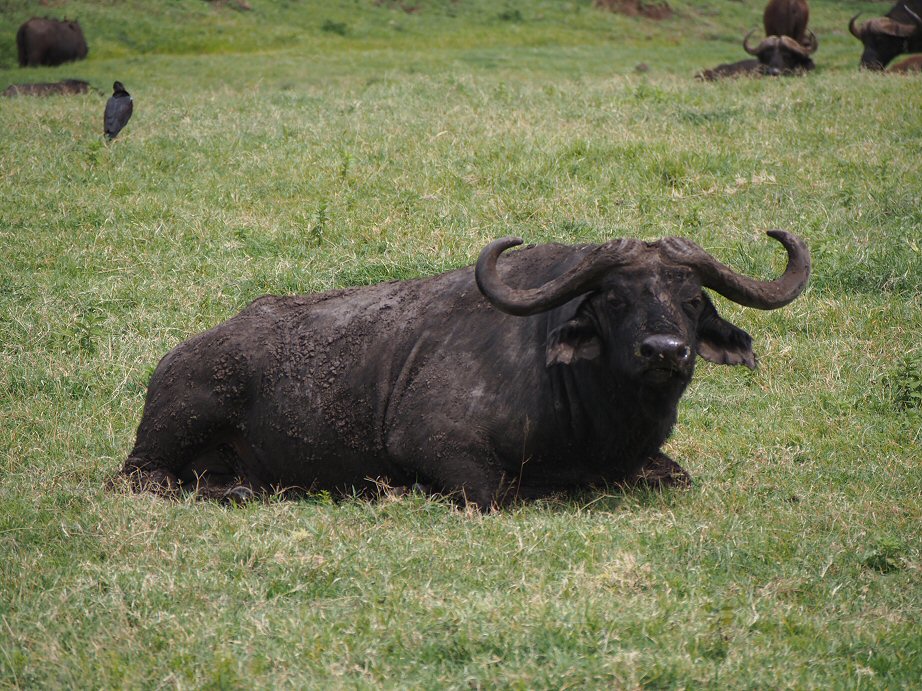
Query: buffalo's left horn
[(794, 46), (578, 280), (749, 292), (857, 33), (812, 44)]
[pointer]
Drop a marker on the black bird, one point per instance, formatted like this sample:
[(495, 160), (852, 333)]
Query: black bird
[(118, 110)]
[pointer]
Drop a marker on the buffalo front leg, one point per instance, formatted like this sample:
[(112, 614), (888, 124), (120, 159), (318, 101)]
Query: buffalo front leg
[(660, 471)]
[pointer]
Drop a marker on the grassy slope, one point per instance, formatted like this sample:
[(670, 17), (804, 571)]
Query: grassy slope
[(270, 155)]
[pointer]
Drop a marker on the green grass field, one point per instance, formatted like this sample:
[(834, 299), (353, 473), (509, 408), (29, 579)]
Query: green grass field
[(303, 146)]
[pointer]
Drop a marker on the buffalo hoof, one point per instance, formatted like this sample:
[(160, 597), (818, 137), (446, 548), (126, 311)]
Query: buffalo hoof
[(241, 494), (660, 472), (161, 482)]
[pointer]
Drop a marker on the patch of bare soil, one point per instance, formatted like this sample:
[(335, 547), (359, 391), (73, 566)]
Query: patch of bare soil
[(655, 9), (407, 7), (241, 5)]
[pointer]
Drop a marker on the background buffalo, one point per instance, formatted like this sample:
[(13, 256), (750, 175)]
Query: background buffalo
[(899, 31), (44, 41), (782, 54), (787, 18)]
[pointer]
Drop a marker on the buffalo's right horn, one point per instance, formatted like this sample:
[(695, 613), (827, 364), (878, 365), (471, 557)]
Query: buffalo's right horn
[(749, 292), (859, 32), (746, 47), (578, 280)]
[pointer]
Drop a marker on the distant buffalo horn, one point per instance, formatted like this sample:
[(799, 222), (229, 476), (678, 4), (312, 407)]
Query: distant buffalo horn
[(859, 32), (885, 26), (812, 44), (578, 280), (757, 49), (786, 41), (794, 46), (749, 292)]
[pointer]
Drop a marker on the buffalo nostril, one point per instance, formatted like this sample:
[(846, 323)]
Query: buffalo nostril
[(664, 348)]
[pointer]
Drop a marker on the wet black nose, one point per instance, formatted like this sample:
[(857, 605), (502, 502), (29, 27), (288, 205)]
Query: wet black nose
[(667, 350)]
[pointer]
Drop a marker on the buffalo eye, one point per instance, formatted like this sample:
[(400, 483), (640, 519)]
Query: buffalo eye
[(615, 300), (693, 306)]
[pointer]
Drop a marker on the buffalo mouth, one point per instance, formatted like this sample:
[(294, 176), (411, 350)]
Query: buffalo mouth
[(663, 374)]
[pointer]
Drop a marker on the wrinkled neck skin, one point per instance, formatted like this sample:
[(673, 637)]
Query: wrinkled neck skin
[(615, 421)]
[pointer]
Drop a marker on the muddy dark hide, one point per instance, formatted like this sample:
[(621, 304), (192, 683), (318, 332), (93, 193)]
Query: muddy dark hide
[(557, 368), (907, 66), (62, 88), (884, 38), (44, 41), (743, 68)]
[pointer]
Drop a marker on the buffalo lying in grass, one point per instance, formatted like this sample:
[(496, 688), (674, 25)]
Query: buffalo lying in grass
[(774, 56), (64, 87), (898, 32), (782, 55), (743, 68), (460, 382), (45, 41)]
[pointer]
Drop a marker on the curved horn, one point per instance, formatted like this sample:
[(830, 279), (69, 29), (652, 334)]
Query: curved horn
[(749, 292), (794, 46), (746, 44), (891, 27), (851, 27), (812, 43), (578, 280)]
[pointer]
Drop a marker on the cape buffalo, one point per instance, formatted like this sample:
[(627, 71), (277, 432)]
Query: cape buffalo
[(787, 18), (743, 68), (118, 111), (61, 88), (44, 41), (548, 369), (899, 31), (782, 54)]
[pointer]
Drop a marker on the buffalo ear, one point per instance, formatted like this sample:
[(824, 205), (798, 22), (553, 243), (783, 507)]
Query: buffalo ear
[(720, 341), (573, 340)]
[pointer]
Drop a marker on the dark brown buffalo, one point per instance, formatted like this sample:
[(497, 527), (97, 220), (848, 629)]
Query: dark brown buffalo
[(787, 18), (913, 64), (44, 41), (63, 87), (782, 55), (898, 32), (549, 369), (743, 68)]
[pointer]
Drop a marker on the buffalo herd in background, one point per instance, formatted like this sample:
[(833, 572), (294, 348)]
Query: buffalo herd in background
[(788, 44), (787, 48)]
